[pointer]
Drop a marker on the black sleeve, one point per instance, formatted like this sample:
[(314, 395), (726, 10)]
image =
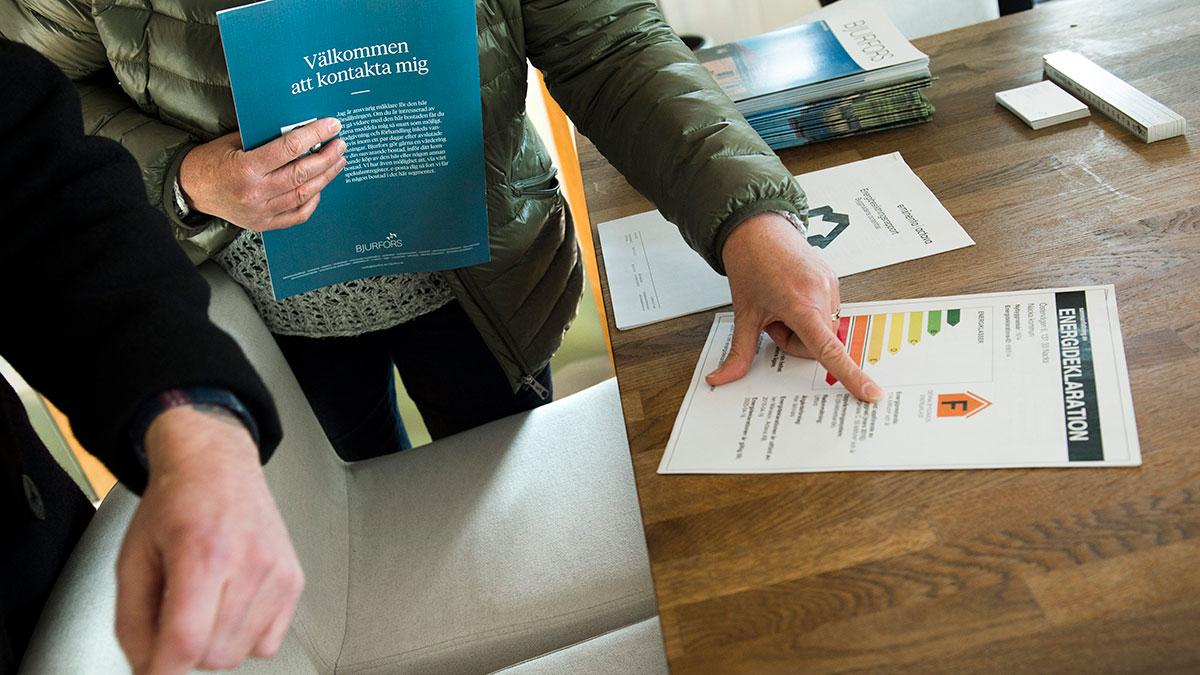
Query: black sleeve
[(101, 308)]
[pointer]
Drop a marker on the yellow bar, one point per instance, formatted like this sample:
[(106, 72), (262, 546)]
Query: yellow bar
[(878, 327), (915, 323), (896, 334)]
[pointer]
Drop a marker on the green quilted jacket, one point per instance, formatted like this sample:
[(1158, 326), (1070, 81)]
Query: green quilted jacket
[(152, 76)]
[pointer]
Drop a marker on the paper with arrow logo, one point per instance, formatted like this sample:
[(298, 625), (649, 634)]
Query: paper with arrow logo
[(862, 216)]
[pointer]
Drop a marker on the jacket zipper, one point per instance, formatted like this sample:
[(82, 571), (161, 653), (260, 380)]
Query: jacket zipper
[(519, 188), (527, 378), (542, 392), (525, 186)]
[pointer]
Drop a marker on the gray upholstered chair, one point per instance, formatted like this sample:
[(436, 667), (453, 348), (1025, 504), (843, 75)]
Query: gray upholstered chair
[(516, 546)]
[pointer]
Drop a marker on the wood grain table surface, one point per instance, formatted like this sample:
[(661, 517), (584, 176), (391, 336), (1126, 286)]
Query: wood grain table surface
[(1045, 570)]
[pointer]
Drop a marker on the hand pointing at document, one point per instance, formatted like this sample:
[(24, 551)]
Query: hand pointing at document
[(779, 284)]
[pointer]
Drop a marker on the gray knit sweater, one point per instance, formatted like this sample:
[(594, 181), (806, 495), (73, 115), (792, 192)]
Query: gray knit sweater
[(352, 308)]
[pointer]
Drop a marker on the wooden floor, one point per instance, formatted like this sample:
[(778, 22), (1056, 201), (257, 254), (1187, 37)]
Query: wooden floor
[(1044, 570)]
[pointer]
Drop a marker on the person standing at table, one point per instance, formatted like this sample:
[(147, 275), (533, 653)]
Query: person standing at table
[(473, 344)]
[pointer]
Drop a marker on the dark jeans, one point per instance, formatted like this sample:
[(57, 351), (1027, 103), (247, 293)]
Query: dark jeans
[(445, 366)]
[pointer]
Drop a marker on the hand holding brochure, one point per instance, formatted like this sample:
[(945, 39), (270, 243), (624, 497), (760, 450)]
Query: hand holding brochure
[(1026, 379), (403, 78), (863, 216)]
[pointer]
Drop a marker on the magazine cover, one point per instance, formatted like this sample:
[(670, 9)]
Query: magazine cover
[(402, 76), (849, 44)]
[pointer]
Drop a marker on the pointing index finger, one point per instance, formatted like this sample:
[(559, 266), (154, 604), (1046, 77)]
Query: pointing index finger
[(817, 332)]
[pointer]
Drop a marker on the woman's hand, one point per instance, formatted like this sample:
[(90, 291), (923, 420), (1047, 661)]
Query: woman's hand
[(272, 187), (780, 285)]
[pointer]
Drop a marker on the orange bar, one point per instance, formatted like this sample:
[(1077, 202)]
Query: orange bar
[(858, 339)]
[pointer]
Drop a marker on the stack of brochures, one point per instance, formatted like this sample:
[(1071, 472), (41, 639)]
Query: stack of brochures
[(850, 74)]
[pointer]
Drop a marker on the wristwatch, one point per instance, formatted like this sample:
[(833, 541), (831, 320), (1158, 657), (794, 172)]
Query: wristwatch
[(796, 221), (174, 398), (181, 208)]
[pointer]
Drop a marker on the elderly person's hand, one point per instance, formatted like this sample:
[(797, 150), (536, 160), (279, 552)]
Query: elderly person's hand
[(271, 187), (782, 286), (207, 575)]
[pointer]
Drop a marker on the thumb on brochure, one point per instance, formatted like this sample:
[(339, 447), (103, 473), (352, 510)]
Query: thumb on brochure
[(742, 349)]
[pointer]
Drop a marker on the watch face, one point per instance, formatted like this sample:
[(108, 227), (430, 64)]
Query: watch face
[(181, 207)]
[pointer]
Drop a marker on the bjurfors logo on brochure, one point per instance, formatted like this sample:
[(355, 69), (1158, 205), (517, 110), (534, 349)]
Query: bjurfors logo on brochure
[(392, 241), (867, 42)]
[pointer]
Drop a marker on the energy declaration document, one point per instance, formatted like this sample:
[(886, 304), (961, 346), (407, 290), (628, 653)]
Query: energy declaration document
[(1000, 380), (862, 216)]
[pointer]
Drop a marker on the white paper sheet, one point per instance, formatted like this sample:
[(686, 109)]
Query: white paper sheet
[(862, 216), (1025, 379)]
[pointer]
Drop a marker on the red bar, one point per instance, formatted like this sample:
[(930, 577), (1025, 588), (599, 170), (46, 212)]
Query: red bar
[(842, 330)]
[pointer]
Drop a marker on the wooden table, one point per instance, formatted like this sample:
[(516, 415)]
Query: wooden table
[(1045, 570)]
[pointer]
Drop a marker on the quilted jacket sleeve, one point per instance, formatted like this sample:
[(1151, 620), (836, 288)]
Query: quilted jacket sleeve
[(639, 94), (159, 149), (65, 32)]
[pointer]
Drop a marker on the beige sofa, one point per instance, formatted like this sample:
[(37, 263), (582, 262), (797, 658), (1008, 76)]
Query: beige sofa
[(515, 547)]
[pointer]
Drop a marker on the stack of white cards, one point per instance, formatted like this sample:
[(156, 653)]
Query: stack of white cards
[(1043, 104), (1148, 119)]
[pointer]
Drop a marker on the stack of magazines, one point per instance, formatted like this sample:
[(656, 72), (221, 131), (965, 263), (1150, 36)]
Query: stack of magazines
[(851, 73)]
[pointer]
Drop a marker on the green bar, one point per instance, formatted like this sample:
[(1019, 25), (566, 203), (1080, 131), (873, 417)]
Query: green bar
[(952, 316), (935, 322)]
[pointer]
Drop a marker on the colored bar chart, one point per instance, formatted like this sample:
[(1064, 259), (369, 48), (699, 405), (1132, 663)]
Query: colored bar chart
[(866, 335)]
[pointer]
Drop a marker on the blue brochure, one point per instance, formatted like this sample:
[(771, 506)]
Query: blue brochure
[(851, 51), (785, 59), (403, 78)]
